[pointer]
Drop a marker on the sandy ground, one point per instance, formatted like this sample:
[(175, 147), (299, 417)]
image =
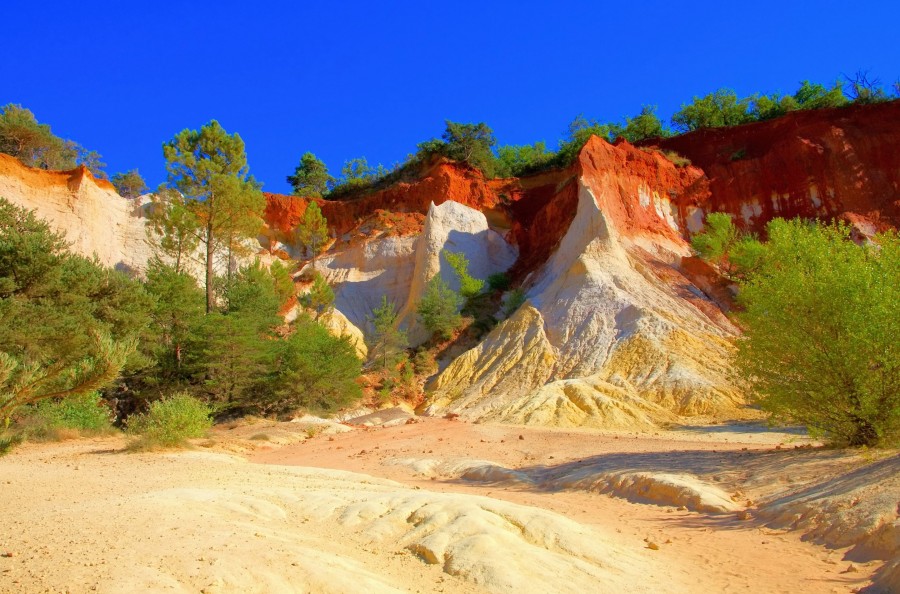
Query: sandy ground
[(434, 506)]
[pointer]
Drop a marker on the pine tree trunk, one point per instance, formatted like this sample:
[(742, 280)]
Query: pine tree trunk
[(209, 267)]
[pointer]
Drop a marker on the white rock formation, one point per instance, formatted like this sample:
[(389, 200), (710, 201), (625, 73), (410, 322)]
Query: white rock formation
[(602, 341), (93, 217), (400, 267)]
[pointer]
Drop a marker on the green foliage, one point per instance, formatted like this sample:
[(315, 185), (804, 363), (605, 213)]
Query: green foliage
[(47, 419), (174, 340), (424, 362), (311, 233), (129, 184), (9, 441), (320, 297), (721, 108), (498, 281), (469, 287), (516, 161), (514, 301), (171, 421), (313, 370), (67, 325), (863, 90), (32, 143), (173, 229), (283, 282), (677, 159), (644, 125), (36, 146), (357, 172), (209, 167), (580, 131), (471, 144), (386, 341), (241, 339), (821, 319), (311, 178), (357, 176), (808, 96), (717, 239), (439, 308), (723, 244)]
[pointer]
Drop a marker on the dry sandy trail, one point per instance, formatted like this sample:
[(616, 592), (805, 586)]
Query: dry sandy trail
[(83, 516)]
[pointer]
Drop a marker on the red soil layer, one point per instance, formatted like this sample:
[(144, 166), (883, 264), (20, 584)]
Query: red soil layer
[(441, 182), (847, 157), (823, 163), (618, 174)]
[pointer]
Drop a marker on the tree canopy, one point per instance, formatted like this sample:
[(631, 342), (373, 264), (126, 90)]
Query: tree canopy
[(311, 178), (68, 326), (129, 184), (209, 167), (36, 146)]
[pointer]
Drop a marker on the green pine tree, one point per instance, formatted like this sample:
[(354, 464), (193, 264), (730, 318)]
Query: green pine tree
[(209, 167)]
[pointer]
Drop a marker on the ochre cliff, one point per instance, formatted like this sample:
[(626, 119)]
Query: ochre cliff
[(93, 217), (622, 327), (812, 164)]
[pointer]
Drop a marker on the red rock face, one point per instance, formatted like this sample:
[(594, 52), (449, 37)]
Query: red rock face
[(440, 182), (812, 164), (823, 163)]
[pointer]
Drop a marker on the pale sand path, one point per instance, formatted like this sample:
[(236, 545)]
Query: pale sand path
[(83, 516), (709, 552)]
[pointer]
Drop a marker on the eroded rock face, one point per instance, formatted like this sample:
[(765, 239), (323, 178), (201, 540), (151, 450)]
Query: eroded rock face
[(811, 164), (604, 340), (93, 217), (399, 267)]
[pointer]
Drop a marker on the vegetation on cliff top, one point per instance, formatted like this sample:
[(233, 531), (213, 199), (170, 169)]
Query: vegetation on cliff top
[(475, 145), (35, 144)]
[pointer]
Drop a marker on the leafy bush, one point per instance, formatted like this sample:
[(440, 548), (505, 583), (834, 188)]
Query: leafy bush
[(129, 184), (514, 301), (49, 418), (468, 285), (8, 442), (644, 125), (517, 161), (311, 178), (313, 370), (498, 281), (737, 254), (677, 159), (822, 317), (35, 145), (721, 108), (67, 325), (439, 309), (171, 421), (386, 341)]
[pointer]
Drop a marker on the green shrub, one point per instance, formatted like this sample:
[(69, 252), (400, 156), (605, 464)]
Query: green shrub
[(514, 301), (439, 309), (171, 421), (49, 419), (498, 282), (821, 320), (8, 442), (469, 286)]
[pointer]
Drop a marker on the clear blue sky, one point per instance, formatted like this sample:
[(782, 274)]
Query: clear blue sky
[(374, 78)]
